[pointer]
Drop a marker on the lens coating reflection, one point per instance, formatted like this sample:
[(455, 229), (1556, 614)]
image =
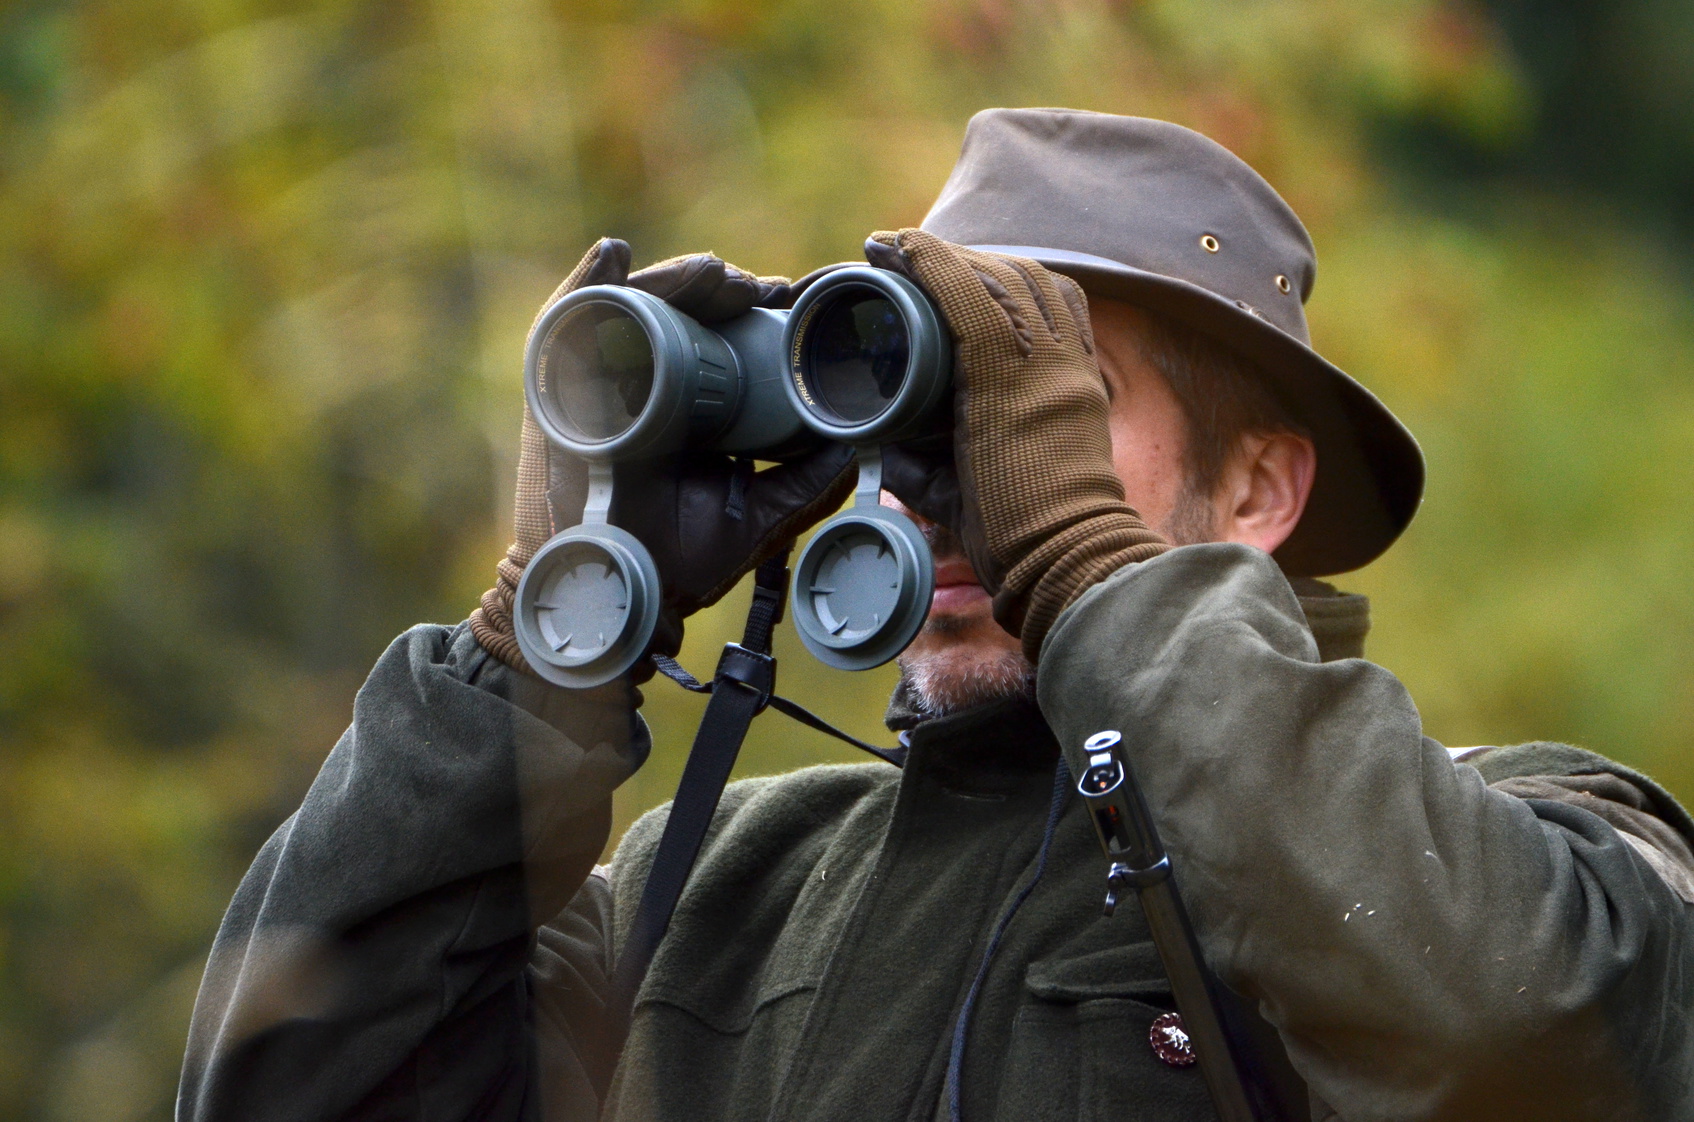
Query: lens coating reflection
[(598, 366), (857, 355)]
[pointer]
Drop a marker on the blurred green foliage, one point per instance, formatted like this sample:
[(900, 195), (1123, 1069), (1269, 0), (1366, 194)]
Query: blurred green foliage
[(266, 270)]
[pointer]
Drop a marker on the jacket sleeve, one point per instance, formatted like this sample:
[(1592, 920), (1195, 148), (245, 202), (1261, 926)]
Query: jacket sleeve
[(378, 958), (1427, 946)]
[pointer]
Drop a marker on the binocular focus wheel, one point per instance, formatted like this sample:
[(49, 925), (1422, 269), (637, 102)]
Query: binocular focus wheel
[(586, 606), (862, 588)]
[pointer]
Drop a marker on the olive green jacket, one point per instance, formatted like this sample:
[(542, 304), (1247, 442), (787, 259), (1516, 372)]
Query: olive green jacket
[(426, 937)]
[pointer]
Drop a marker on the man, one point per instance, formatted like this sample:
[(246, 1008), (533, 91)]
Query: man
[(425, 937)]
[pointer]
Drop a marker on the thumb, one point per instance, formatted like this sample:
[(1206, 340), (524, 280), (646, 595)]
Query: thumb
[(786, 500), (925, 480), (882, 250)]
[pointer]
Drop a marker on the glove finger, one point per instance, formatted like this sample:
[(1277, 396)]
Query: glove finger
[(708, 519), (926, 481), (670, 501), (1076, 303), (533, 516), (778, 505), (784, 501), (975, 292), (886, 255), (777, 292), (1011, 287), (708, 288), (1061, 300), (1042, 292), (606, 262)]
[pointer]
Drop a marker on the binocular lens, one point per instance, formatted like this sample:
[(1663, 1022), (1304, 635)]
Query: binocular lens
[(870, 361), (858, 354), (597, 362)]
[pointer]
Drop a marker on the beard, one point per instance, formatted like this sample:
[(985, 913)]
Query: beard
[(938, 688), (1193, 520), (959, 662)]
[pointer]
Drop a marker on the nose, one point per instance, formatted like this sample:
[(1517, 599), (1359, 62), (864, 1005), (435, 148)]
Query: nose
[(888, 500), (943, 543)]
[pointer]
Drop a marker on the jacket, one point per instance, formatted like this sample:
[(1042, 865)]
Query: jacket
[(427, 937)]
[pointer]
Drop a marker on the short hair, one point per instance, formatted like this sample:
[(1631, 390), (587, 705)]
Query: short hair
[(1224, 397)]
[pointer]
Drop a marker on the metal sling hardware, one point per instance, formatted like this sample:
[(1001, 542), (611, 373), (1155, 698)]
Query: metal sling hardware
[(1240, 1057)]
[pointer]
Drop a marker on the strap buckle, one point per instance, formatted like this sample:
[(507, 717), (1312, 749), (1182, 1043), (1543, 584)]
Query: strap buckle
[(776, 597), (749, 669), (1123, 876)]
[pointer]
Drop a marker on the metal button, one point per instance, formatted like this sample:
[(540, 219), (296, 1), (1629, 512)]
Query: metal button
[(1170, 1040), (1282, 284), (1208, 243)]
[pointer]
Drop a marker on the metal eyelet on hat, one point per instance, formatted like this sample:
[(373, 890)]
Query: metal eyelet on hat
[(1282, 284), (1209, 243)]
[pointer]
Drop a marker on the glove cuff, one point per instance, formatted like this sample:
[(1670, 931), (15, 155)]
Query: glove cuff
[(491, 622), (1071, 563)]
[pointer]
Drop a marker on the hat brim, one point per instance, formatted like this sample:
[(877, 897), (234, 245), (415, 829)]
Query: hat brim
[(1370, 472)]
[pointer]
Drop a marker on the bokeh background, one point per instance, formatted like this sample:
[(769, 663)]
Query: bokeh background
[(266, 268)]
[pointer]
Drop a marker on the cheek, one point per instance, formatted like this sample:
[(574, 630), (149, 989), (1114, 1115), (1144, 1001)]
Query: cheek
[(1147, 448)]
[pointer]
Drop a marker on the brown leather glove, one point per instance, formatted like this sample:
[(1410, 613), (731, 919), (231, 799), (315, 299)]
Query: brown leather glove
[(706, 518), (1036, 504)]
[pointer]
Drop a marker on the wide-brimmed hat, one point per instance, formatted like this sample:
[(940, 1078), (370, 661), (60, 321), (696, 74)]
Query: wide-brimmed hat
[(1159, 216)]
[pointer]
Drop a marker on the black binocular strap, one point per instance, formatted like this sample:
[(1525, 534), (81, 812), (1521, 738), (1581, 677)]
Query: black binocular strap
[(793, 710), (740, 690)]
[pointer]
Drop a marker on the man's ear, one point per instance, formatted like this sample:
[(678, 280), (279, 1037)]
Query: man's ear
[(1265, 488)]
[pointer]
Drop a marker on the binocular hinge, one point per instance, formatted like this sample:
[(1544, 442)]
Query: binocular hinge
[(597, 510), (869, 489)]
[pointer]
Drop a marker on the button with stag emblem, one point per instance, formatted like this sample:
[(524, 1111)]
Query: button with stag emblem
[(1170, 1040)]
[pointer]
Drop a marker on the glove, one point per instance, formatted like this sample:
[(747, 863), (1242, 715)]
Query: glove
[(707, 519), (1032, 495)]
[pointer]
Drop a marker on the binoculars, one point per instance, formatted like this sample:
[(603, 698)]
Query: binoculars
[(616, 374)]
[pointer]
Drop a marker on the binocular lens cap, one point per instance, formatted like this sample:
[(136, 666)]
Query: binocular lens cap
[(862, 588), (586, 606)]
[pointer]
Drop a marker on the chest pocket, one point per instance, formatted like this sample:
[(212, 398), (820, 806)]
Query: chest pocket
[(1080, 1048)]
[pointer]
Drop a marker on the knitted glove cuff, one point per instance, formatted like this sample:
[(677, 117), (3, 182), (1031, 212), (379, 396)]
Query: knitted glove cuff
[(491, 622), (1067, 565)]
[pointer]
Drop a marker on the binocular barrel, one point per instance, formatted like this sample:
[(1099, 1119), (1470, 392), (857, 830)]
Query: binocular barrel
[(614, 373)]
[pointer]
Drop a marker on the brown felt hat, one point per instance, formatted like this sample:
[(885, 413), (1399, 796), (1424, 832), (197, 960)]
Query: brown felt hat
[(1159, 216)]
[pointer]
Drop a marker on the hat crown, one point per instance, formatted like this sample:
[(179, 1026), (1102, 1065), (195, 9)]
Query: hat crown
[(1147, 194)]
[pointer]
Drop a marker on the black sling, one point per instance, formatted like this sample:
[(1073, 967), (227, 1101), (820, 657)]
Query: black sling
[(741, 689)]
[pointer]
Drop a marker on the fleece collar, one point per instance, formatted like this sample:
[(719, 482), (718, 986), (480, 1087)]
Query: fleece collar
[(1339, 622)]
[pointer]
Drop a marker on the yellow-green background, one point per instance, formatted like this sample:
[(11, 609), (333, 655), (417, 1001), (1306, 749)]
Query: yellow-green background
[(266, 268)]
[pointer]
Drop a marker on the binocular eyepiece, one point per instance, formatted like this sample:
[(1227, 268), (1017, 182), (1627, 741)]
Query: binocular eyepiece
[(616, 374)]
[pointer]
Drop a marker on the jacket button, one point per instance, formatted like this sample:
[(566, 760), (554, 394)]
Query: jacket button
[(1170, 1040)]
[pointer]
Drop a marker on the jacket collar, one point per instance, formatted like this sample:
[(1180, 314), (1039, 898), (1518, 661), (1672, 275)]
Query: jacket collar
[(1339, 622), (1006, 738)]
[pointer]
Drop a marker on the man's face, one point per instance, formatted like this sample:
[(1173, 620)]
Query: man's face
[(962, 657)]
